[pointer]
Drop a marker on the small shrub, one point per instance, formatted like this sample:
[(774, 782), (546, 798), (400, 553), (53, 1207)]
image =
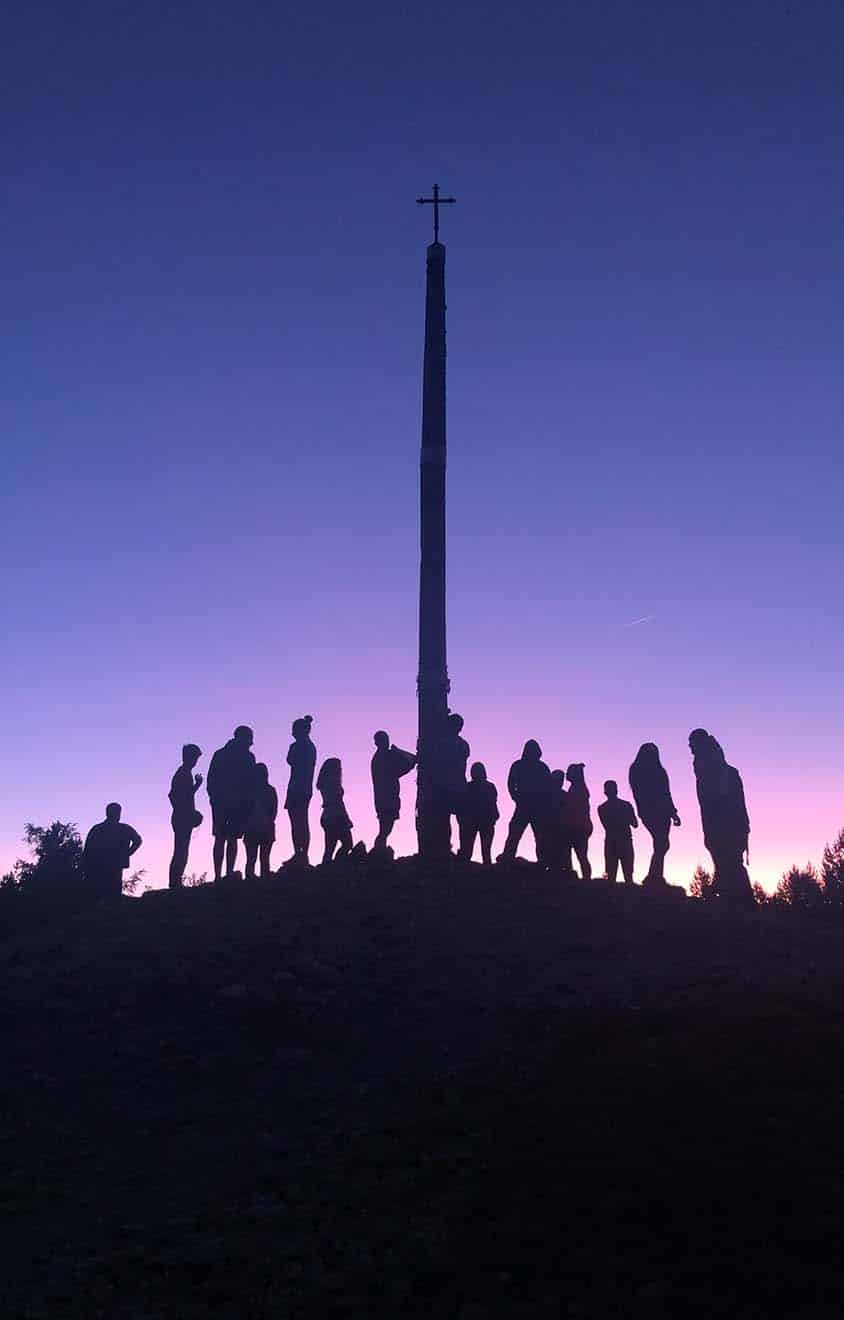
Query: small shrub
[(702, 885)]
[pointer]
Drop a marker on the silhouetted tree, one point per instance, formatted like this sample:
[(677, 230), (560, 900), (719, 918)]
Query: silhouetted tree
[(702, 885), (800, 889), (832, 874), (131, 882), (56, 867), (761, 897)]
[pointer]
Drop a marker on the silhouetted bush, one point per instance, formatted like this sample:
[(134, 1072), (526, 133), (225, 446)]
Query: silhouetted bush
[(56, 868), (832, 875), (702, 885), (800, 890), (131, 882)]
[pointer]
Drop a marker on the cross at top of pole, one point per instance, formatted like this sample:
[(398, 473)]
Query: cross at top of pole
[(436, 201)]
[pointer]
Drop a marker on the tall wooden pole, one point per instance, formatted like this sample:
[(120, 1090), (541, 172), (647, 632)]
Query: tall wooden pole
[(432, 813)]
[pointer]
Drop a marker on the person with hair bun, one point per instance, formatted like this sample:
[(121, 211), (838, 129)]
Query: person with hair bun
[(301, 757)]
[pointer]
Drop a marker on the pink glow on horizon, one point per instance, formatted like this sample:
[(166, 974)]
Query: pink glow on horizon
[(791, 821)]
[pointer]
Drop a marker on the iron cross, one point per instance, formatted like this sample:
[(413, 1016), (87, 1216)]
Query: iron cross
[(436, 201)]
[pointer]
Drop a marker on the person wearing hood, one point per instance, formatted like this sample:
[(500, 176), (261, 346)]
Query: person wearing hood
[(478, 814), (723, 812), (529, 785)]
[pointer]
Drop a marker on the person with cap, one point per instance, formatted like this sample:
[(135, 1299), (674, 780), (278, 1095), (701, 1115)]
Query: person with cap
[(231, 790)]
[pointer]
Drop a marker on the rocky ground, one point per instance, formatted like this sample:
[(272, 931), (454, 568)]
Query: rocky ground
[(422, 1095)]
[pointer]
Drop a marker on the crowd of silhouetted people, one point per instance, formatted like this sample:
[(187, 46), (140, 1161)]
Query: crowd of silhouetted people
[(554, 805)]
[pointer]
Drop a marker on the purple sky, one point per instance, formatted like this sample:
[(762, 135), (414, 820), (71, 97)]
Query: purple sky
[(213, 274)]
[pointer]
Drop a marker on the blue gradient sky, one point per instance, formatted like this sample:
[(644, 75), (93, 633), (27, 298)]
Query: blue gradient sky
[(213, 274)]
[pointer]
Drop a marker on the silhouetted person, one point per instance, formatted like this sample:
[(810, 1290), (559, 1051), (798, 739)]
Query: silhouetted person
[(106, 854), (723, 811), (185, 817), (652, 795), (334, 819), (579, 818), (557, 852), (260, 827), (389, 764), (619, 820), (455, 755), (529, 785), (301, 758), (478, 815), (231, 789)]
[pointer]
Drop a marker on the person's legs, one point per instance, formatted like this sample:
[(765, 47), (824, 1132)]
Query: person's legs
[(542, 838), (732, 883), (659, 832), (581, 850), (300, 830), (231, 854), (265, 850), (625, 856), (385, 829), (468, 832), (219, 849), (330, 844), (518, 825), (181, 848), (345, 839), (251, 846), (611, 859), (486, 844)]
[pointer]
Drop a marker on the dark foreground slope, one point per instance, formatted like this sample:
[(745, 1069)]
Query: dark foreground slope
[(422, 1095)]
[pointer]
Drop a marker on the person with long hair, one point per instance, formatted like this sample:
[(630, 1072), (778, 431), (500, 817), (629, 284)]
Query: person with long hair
[(655, 806), (579, 818), (334, 819)]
